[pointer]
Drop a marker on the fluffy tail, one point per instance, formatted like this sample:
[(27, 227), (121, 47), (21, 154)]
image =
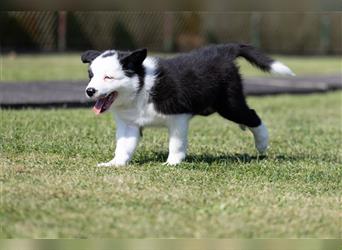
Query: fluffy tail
[(262, 61)]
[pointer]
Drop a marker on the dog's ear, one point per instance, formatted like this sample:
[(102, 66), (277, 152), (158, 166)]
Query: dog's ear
[(89, 56), (134, 60)]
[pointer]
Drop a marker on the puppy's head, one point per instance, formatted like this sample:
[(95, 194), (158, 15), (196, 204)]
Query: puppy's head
[(114, 77)]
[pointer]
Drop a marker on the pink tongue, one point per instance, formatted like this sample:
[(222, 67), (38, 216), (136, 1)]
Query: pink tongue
[(103, 104), (98, 105)]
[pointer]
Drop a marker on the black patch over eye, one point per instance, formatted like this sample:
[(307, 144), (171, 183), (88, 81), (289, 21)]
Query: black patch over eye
[(132, 63), (130, 69), (90, 73), (130, 66)]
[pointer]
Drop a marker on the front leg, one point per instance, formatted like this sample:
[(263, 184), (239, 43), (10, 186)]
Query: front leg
[(178, 138), (127, 139)]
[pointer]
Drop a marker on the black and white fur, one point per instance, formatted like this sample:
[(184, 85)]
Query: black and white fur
[(169, 92)]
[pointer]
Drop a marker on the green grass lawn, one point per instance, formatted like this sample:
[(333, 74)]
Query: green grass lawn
[(51, 187), (69, 67)]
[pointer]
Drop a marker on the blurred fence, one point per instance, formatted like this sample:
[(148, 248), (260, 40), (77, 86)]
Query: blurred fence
[(275, 32)]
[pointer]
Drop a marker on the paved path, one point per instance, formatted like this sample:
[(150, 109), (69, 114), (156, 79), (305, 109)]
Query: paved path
[(71, 93)]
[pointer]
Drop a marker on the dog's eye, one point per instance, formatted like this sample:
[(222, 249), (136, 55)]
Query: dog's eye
[(108, 78)]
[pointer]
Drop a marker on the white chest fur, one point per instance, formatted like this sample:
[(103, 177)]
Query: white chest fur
[(142, 116)]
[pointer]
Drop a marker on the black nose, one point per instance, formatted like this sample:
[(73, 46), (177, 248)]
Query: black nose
[(90, 91)]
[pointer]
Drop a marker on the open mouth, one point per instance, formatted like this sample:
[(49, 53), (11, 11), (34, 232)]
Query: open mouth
[(104, 103)]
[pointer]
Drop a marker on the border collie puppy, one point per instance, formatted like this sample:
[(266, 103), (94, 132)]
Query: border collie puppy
[(150, 91)]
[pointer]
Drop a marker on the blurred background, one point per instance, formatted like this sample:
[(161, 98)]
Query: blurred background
[(300, 33), (44, 46)]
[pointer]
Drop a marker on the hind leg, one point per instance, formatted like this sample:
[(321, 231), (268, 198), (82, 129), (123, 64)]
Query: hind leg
[(260, 134), (236, 110)]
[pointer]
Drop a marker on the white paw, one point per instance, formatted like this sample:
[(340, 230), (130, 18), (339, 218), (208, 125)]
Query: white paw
[(174, 159), (261, 145), (171, 163), (261, 138), (113, 163)]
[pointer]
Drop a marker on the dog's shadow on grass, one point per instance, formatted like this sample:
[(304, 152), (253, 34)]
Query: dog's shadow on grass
[(207, 158), (161, 157), (223, 158)]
